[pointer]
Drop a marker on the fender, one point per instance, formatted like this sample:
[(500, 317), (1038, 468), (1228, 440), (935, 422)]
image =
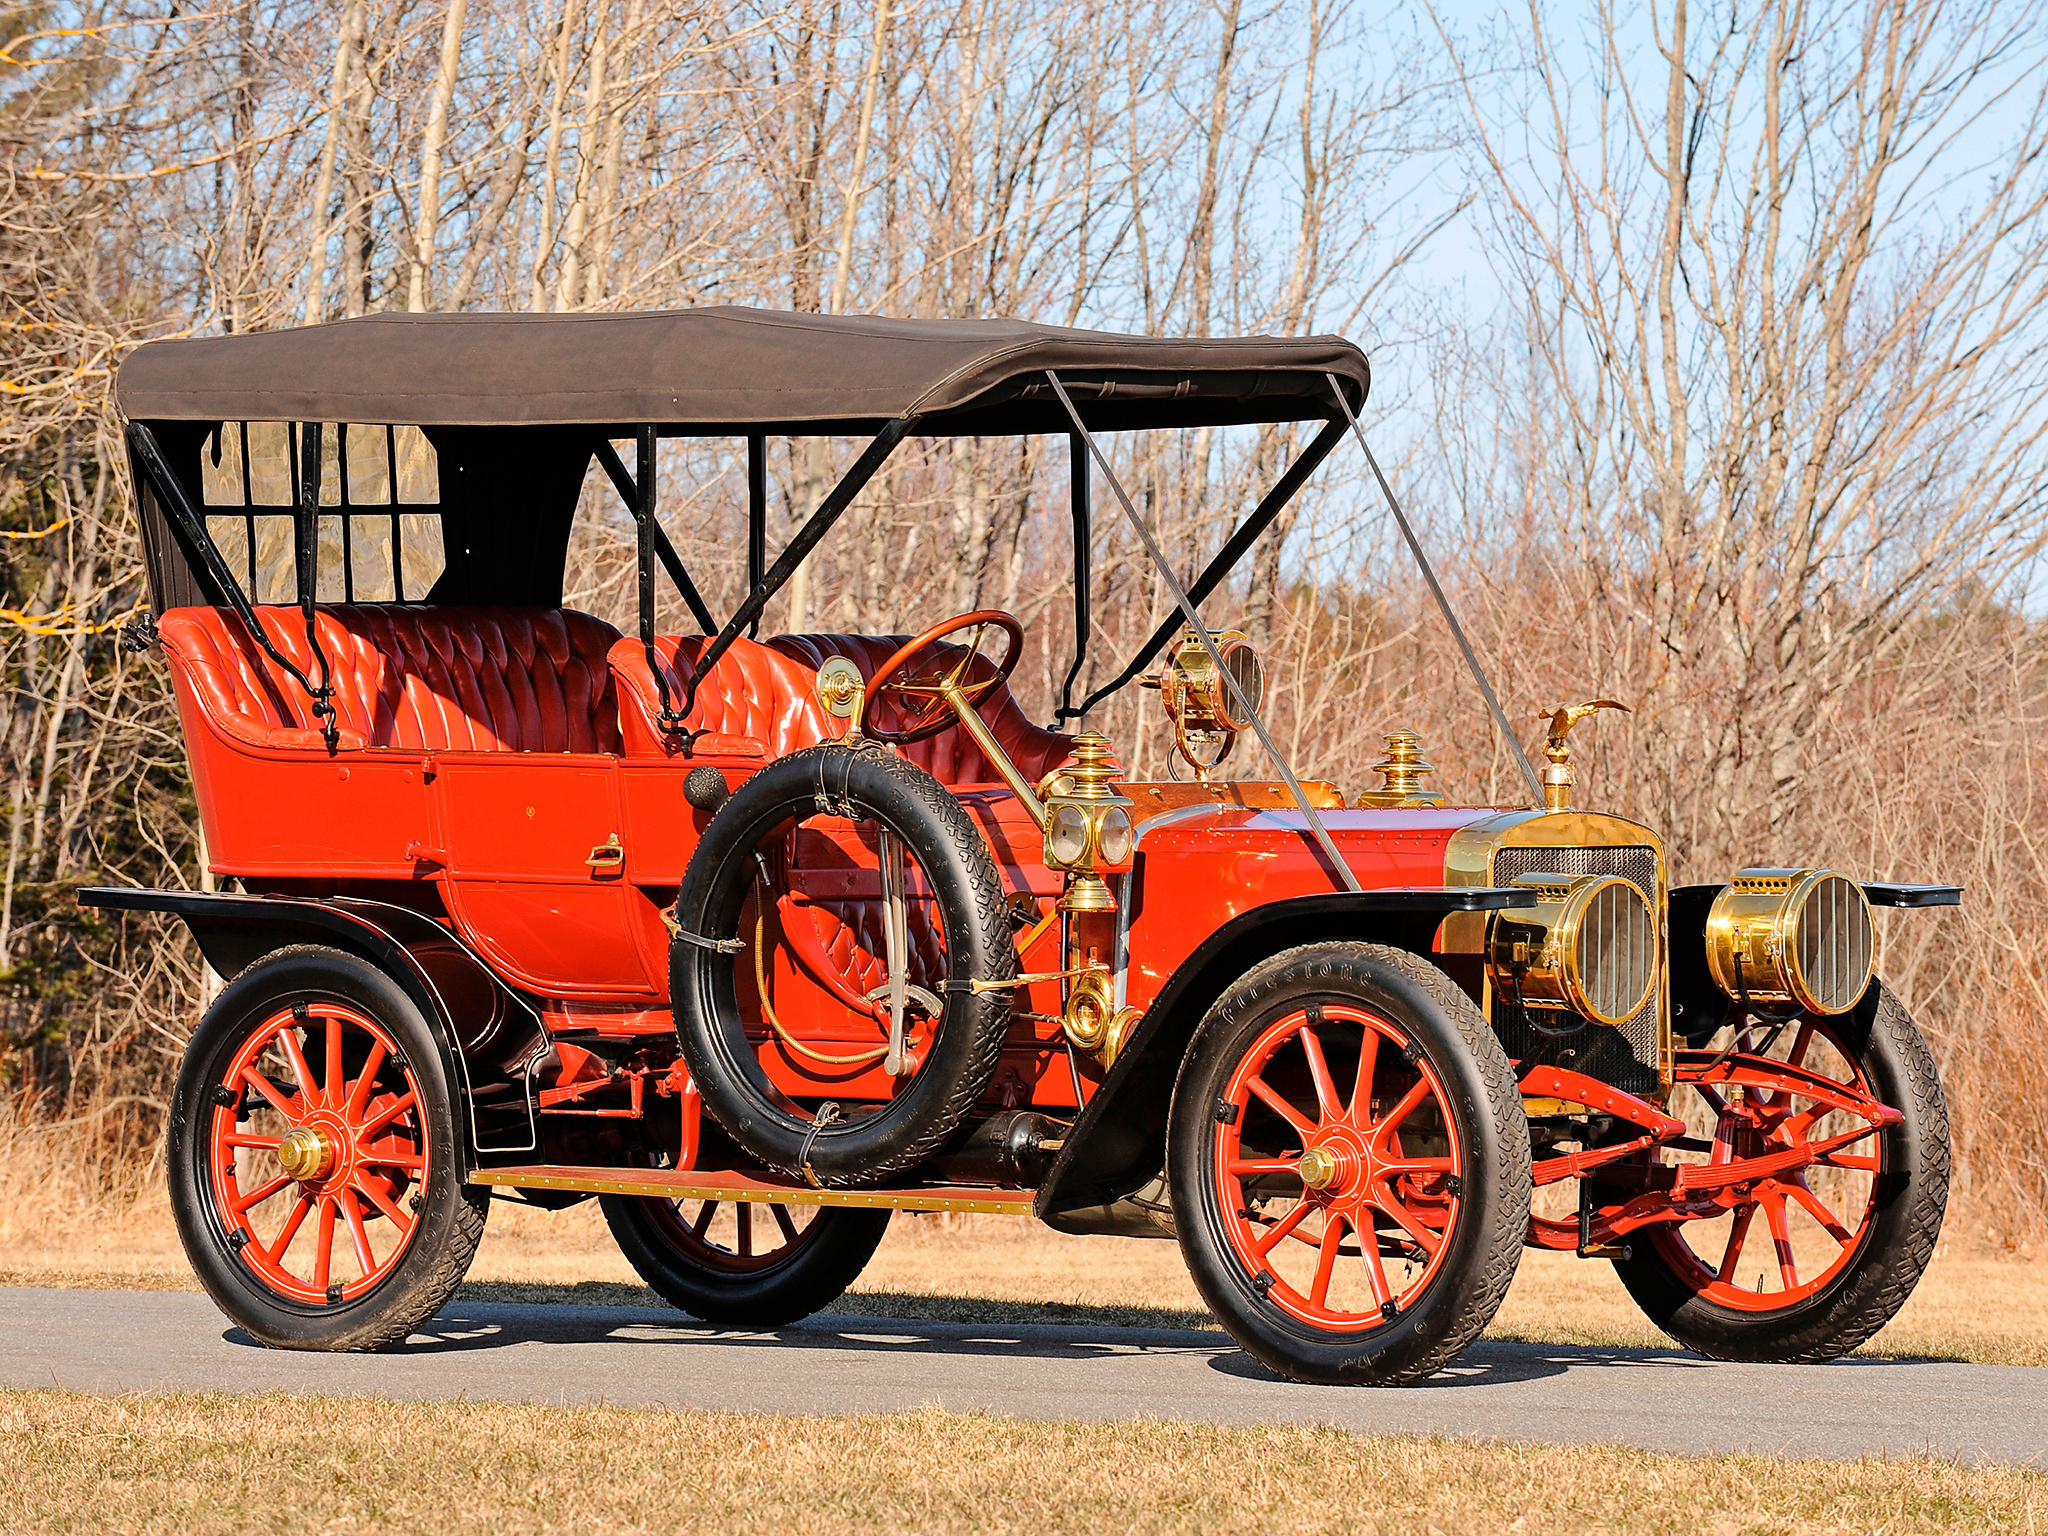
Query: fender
[(465, 1005), (1119, 1141)]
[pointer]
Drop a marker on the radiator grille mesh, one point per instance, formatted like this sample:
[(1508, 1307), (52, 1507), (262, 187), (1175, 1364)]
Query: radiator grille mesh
[(1625, 1055)]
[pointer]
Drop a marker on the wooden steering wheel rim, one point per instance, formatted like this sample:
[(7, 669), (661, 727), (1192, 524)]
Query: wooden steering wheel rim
[(885, 674)]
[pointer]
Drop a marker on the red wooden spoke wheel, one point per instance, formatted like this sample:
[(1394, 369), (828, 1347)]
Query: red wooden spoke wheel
[(1820, 1248), (315, 1172), (734, 1237), (316, 1133), (741, 1264), (1349, 1165), (1816, 1216), (1317, 1174)]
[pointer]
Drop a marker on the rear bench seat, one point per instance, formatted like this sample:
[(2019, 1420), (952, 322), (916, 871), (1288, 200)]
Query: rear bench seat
[(762, 699), (410, 678)]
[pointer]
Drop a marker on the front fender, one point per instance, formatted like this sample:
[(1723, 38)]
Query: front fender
[(1119, 1141)]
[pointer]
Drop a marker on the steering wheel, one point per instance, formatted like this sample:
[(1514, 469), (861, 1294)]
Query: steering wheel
[(936, 714)]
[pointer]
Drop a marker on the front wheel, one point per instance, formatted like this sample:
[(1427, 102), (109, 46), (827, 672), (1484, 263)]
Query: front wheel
[(1349, 1165), (1808, 1261), (738, 1264), (313, 1161)]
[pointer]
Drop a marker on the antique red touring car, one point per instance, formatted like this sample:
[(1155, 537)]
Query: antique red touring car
[(759, 940)]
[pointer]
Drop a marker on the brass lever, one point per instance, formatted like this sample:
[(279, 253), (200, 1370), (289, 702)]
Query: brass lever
[(607, 858)]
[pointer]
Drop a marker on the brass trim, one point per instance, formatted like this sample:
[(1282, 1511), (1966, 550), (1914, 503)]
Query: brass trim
[(1317, 1167), (752, 1191), (306, 1152), (1537, 953), (1468, 860), (1401, 769), (1757, 919)]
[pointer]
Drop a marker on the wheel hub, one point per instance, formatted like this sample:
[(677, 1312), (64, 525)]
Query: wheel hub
[(307, 1152), (1318, 1168)]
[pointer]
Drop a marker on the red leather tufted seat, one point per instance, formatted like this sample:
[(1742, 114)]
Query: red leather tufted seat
[(768, 693), (412, 678)]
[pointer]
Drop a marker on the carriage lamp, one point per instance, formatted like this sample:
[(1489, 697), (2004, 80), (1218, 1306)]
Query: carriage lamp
[(1199, 701), (1087, 825), (1792, 936), (1589, 946)]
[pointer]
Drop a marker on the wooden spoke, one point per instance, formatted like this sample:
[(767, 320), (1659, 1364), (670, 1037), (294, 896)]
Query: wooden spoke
[(288, 1042), (1282, 1108), (358, 1234), (352, 1107), (332, 1090), (1732, 1254), (1326, 1259), (1319, 1074), (323, 1237), (270, 1095), (387, 1114), (1286, 1224), (242, 1203), (293, 1220)]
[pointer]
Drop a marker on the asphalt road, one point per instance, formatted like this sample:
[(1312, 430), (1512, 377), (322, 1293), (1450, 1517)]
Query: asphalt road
[(1668, 1400)]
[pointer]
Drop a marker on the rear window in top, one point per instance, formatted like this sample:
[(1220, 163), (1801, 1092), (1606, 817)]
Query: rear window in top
[(380, 543)]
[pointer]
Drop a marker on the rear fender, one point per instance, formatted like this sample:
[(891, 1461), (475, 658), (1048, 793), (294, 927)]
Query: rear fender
[(473, 1015), (1119, 1141)]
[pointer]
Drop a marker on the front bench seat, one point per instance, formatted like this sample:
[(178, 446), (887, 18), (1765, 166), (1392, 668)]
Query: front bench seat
[(764, 698), (419, 679)]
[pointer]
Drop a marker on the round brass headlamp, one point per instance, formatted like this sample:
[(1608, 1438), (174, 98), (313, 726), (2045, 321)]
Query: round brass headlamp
[(1797, 936), (1589, 946), (1197, 696)]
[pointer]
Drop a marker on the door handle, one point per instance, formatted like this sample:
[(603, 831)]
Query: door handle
[(607, 858)]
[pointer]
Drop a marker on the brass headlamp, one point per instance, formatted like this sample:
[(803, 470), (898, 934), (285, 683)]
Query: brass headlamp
[(1797, 936), (1589, 947), (1199, 700)]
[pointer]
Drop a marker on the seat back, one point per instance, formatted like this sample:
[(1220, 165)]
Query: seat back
[(754, 695), (407, 677)]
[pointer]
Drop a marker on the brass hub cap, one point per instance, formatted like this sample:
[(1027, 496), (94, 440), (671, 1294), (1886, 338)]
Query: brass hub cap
[(306, 1152), (1318, 1168)]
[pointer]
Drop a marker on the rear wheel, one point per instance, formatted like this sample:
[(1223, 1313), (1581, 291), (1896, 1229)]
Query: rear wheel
[(313, 1163), (744, 1265), (1810, 1262), (1349, 1168)]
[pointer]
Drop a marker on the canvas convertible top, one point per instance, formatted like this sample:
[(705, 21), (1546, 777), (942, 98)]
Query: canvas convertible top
[(724, 369)]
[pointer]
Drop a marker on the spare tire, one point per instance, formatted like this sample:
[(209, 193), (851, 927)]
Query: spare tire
[(865, 1143)]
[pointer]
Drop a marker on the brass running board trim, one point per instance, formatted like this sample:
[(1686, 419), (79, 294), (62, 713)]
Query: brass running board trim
[(752, 1189)]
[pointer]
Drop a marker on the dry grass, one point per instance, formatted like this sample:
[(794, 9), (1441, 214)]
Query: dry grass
[(1980, 1306), (202, 1464)]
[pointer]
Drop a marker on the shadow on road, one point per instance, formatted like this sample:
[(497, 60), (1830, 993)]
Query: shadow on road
[(468, 1327)]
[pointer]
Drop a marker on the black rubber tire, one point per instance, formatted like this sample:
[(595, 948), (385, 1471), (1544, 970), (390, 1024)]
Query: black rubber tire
[(451, 1214), (1911, 1196), (969, 891), (1487, 1237), (832, 1252)]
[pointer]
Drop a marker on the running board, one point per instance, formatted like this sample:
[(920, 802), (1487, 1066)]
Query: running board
[(753, 1189)]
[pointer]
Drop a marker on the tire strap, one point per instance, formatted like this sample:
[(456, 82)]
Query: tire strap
[(716, 946), (827, 1113)]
